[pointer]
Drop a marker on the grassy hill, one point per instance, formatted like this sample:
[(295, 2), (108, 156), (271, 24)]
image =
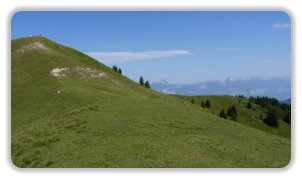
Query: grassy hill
[(69, 110), (249, 117)]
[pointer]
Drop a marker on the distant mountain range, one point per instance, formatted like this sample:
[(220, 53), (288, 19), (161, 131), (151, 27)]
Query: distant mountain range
[(287, 101), (277, 87)]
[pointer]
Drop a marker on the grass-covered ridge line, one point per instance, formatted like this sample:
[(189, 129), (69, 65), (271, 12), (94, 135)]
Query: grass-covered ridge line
[(111, 121)]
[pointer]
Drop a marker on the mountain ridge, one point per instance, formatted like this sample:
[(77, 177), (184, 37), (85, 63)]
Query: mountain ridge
[(277, 87)]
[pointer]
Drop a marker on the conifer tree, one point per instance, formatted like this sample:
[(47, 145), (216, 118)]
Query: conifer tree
[(222, 114), (114, 68), (147, 84), (141, 81), (232, 111), (272, 118), (249, 105), (192, 101), (208, 104), (120, 71)]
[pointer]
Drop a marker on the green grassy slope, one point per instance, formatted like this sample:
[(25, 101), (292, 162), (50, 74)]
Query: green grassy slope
[(110, 121), (246, 116)]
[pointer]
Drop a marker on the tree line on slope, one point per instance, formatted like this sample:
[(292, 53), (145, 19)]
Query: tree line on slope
[(141, 80), (275, 110), (231, 112), (145, 84), (206, 104), (119, 70)]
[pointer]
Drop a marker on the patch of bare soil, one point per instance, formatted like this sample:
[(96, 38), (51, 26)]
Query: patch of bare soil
[(31, 47)]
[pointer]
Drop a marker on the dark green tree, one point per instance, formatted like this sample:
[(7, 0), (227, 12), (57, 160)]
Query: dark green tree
[(141, 81), (208, 104), (202, 104), (232, 111), (120, 71), (272, 118), (147, 84), (249, 105), (287, 118), (192, 101), (223, 114), (114, 68)]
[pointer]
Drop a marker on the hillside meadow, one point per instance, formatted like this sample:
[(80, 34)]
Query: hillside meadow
[(69, 110)]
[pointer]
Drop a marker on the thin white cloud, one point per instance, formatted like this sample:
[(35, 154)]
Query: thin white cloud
[(280, 26), (118, 57), (227, 49)]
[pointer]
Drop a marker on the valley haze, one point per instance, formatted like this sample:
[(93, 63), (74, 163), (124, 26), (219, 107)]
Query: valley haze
[(275, 87)]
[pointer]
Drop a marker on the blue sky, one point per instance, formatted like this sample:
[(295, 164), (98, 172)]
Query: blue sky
[(180, 47)]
